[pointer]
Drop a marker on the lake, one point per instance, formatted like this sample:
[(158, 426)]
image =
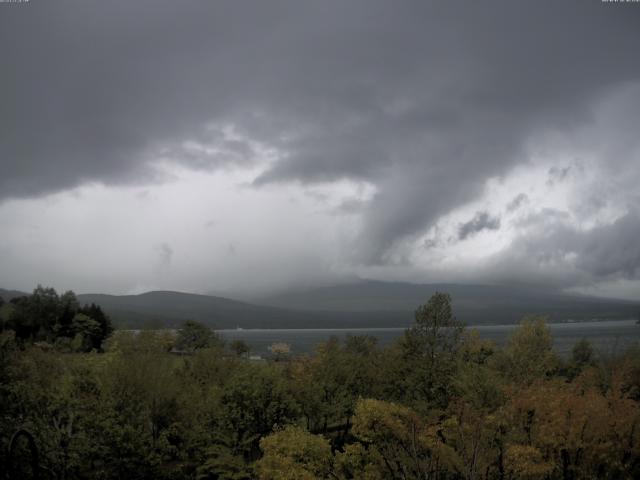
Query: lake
[(606, 336)]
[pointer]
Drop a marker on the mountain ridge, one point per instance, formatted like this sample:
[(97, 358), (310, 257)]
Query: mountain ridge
[(357, 305)]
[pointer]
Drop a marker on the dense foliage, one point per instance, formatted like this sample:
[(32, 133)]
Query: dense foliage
[(440, 403), (55, 320)]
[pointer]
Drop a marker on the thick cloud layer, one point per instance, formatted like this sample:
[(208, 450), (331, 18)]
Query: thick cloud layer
[(425, 101)]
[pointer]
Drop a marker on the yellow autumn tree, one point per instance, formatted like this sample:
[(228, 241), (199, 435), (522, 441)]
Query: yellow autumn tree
[(404, 444), (294, 454)]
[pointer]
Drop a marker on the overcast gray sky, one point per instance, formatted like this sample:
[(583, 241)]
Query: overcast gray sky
[(247, 146)]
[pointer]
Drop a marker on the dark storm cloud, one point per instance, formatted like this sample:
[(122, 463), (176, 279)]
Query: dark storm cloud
[(481, 221), (424, 100)]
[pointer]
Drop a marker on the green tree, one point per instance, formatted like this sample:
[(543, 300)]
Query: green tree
[(68, 308), (195, 336), (34, 317), (222, 463), (86, 332), (256, 399), (324, 387), (6, 310), (45, 315), (426, 359), (239, 347), (106, 328), (330, 382), (436, 330), (583, 354), (529, 354)]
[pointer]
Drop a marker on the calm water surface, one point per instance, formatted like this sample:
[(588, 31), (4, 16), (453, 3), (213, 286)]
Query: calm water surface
[(607, 336)]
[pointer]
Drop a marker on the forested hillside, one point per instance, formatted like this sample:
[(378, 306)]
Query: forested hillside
[(439, 403)]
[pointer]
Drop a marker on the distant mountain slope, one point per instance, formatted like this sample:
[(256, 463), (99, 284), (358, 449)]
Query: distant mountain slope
[(472, 303), (9, 294), (170, 309)]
